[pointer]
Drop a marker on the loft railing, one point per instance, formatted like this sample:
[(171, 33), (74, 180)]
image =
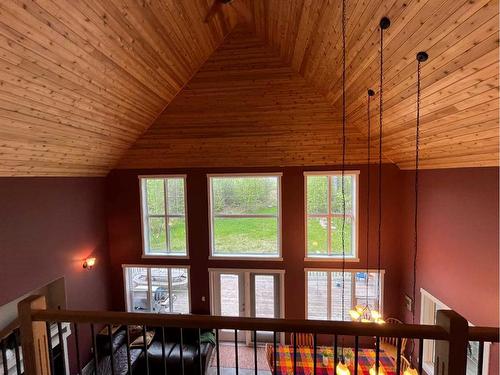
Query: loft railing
[(451, 335)]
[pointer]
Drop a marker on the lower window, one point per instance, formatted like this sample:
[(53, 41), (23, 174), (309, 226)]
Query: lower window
[(324, 292), (157, 289)]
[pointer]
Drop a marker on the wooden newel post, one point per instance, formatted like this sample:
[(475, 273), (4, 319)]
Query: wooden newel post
[(33, 337), (451, 356)]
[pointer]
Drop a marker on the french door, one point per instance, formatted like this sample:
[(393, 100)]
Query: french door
[(247, 293)]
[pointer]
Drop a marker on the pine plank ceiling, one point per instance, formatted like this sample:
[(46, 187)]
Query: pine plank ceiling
[(89, 85)]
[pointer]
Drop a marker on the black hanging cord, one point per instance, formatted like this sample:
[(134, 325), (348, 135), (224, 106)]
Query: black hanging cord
[(370, 94), (384, 24), (343, 156), (421, 57)]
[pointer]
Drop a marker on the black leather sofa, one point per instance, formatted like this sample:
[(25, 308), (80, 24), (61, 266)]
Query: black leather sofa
[(155, 363)]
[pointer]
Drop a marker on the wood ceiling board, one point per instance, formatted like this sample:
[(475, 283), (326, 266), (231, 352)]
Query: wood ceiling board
[(246, 107), (459, 79), (81, 80)]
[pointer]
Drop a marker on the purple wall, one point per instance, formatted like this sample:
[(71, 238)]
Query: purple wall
[(48, 227), (124, 226), (458, 242)]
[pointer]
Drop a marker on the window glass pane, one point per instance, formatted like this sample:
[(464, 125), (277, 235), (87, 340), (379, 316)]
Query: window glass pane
[(159, 290), (155, 196), (317, 295), (337, 283), (366, 290), (317, 194), (245, 236), (157, 234), (175, 196), (180, 290), (245, 195), (336, 194), (317, 236), (177, 234), (137, 279), (229, 295), (264, 296), (337, 236)]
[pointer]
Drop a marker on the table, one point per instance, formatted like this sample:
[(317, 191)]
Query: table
[(366, 359)]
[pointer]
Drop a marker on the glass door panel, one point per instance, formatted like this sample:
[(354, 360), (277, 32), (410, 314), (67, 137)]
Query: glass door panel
[(264, 301), (230, 299)]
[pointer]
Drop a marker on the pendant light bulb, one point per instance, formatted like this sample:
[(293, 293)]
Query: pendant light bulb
[(355, 315), (376, 315), (342, 369), (410, 371), (373, 370)]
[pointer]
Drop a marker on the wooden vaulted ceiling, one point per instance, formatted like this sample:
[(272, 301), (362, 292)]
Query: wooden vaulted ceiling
[(84, 84)]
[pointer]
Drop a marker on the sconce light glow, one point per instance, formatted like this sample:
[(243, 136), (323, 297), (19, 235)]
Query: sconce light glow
[(410, 371), (89, 263), (373, 370)]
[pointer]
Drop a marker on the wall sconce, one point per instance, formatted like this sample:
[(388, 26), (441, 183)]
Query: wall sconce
[(89, 263)]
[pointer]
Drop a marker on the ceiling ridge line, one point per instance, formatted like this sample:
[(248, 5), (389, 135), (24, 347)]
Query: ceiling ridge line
[(153, 121), (318, 91)]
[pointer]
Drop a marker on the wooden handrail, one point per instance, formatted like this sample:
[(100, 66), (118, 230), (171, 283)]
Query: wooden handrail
[(486, 334), (7, 331), (249, 324)]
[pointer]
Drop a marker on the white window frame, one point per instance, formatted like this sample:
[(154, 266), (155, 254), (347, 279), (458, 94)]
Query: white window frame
[(215, 273), (146, 252), (271, 257), (429, 305), (126, 289), (329, 291), (355, 216)]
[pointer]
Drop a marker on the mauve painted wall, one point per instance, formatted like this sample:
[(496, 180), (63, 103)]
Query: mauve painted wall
[(458, 242), (125, 245), (48, 226)]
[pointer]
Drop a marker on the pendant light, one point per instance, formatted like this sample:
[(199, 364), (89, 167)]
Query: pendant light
[(363, 313), (341, 368), (376, 369), (421, 57)]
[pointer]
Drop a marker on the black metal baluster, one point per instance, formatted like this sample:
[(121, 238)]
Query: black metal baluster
[(16, 351), (163, 357), (420, 355), (255, 351), (94, 347), (61, 346), (77, 348), (315, 353), (217, 348), (4, 358), (399, 344), (199, 351), (129, 361), (335, 352), (294, 353), (49, 343), (480, 358), (377, 355), (356, 355), (236, 349), (145, 348), (111, 354), (275, 354), (181, 352)]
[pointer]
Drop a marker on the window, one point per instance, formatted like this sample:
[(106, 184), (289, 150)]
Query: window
[(324, 292), (324, 214), (429, 307), (163, 207), (157, 289), (245, 215)]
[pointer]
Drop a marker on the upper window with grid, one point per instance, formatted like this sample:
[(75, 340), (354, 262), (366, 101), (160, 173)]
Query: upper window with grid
[(163, 202)]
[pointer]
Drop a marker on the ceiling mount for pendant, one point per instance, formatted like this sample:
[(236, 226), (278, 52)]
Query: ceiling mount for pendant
[(371, 92), (385, 23), (422, 56)]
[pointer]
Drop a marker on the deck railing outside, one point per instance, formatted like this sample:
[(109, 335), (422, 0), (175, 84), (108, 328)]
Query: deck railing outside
[(451, 333)]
